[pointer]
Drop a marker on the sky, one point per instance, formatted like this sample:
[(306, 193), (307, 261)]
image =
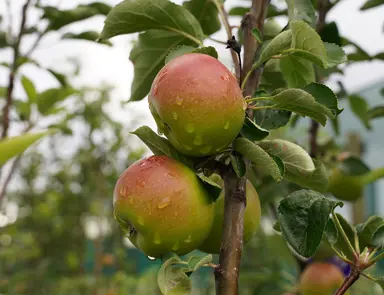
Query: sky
[(102, 64)]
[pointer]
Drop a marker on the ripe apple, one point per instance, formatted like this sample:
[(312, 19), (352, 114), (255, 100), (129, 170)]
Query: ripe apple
[(163, 206), (197, 103), (320, 278), (252, 218)]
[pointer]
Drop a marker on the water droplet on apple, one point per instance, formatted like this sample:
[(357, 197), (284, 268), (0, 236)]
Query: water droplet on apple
[(176, 246), (155, 89), (174, 116), (190, 128), (188, 240), (151, 258), (165, 202), (140, 220), (198, 140), (179, 101), (226, 125), (187, 147), (123, 191), (157, 239), (206, 149)]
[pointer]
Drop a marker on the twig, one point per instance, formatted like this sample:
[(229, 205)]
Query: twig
[(254, 19), (11, 80), (10, 19), (348, 282), (228, 29), (36, 43)]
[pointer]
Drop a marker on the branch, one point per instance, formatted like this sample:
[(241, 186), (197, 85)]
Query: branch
[(253, 19), (227, 272), (348, 282), (11, 79), (228, 29)]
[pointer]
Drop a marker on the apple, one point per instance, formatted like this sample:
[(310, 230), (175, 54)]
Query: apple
[(345, 187), (320, 278), (252, 218), (198, 104), (163, 206)]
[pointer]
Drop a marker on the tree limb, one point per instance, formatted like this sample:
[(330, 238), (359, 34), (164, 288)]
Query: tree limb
[(8, 179), (348, 282), (227, 272), (254, 19)]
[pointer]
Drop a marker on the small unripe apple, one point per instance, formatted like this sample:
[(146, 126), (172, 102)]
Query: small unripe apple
[(163, 206), (320, 279), (345, 187), (252, 216), (197, 103)]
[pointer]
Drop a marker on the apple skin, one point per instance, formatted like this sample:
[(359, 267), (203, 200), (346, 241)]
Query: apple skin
[(163, 206), (345, 187), (320, 278), (197, 103), (252, 218)]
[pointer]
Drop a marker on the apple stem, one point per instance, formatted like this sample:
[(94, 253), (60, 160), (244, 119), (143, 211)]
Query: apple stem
[(372, 176), (349, 281)]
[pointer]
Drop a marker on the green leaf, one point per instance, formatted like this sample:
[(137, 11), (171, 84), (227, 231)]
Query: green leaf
[(354, 165), (172, 280), (238, 165), (257, 34), (3, 40), (376, 279), (148, 56), (252, 131), (317, 180), (49, 98), (275, 46), (371, 4), (330, 33), (359, 107), (301, 10), (160, 146), (270, 118), (307, 44), (376, 112), (23, 109), (131, 16), (303, 217), (195, 262), (183, 49), (325, 96), (213, 188), (302, 103), (61, 78), (336, 240), (367, 230), (13, 146), (29, 89), (296, 160), (207, 50), (206, 13), (297, 71), (178, 51), (335, 55), (59, 18), (260, 158), (88, 36)]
